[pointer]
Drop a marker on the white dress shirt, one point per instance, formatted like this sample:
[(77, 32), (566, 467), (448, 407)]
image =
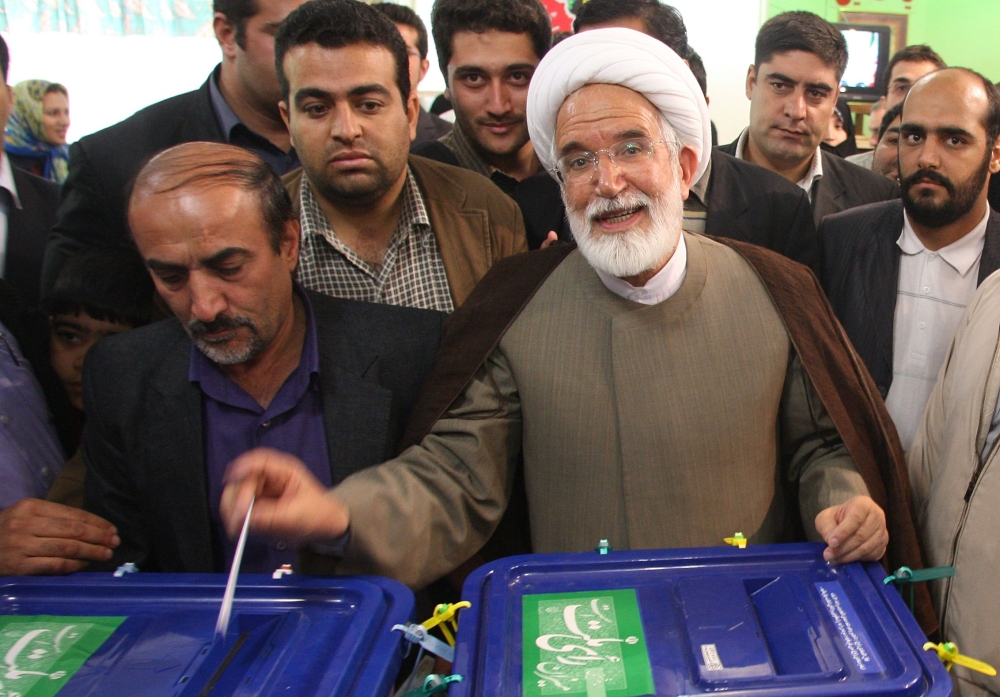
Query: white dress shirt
[(814, 174), (665, 283), (6, 183), (933, 290)]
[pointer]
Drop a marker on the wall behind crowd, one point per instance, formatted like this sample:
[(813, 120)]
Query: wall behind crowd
[(963, 32), (111, 77)]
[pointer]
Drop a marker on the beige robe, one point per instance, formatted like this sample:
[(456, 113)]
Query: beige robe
[(650, 426)]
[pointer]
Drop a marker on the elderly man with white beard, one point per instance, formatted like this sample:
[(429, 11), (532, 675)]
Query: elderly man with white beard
[(662, 389)]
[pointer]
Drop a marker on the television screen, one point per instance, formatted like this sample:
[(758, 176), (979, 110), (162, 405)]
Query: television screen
[(868, 54)]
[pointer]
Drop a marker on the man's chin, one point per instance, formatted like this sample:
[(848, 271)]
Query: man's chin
[(500, 146)]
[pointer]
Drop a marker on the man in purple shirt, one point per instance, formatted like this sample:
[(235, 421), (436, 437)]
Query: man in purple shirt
[(250, 360)]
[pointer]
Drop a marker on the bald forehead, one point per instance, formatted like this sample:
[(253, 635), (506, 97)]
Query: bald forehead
[(949, 84)]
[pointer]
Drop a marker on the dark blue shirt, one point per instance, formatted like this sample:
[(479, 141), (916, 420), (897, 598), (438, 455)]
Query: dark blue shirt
[(238, 133), (235, 423)]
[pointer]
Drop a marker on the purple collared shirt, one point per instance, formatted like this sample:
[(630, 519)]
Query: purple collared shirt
[(235, 423), (30, 456)]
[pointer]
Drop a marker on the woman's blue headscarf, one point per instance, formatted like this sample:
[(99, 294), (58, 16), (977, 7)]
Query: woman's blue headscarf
[(23, 136)]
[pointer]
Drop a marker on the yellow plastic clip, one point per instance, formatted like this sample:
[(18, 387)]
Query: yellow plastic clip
[(444, 615), (949, 655), (736, 540)]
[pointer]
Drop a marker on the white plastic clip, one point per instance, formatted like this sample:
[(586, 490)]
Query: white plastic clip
[(284, 570), (417, 634), (126, 568)]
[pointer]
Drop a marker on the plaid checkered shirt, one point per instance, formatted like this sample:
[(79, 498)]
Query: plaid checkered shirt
[(411, 273)]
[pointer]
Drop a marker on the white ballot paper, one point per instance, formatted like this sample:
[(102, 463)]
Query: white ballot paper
[(227, 599)]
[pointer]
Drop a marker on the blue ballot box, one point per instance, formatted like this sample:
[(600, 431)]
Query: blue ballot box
[(767, 621), (152, 635)]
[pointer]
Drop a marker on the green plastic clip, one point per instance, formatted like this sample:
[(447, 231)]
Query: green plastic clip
[(434, 685), (603, 548), (905, 574)]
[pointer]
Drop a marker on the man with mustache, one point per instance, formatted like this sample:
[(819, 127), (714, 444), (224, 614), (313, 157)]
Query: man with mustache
[(250, 359), (378, 225), (662, 388), (900, 273), (793, 87)]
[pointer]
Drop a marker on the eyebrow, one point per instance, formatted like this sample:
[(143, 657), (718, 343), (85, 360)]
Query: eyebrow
[(507, 68), (946, 131), (311, 92), (219, 257), (67, 323), (573, 145), (373, 88), (785, 78)]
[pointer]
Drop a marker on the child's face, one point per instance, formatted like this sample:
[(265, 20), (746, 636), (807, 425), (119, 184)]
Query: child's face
[(72, 336)]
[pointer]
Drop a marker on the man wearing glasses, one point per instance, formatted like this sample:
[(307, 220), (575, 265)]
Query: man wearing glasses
[(663, 389)]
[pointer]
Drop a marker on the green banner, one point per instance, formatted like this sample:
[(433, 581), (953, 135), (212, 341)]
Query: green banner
[(588, 643), (40, 653)]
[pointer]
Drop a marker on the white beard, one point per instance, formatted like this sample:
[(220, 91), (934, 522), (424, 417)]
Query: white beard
[(626, 254)]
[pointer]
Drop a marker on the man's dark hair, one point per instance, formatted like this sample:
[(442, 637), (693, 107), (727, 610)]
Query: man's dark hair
[(698, 68), (887, 118), (336, 24), (401, 14), (918, 53), (110, 285), (4, 58), (663, 22), (515, 16), (801, 31), (237, 12), (219, 164)]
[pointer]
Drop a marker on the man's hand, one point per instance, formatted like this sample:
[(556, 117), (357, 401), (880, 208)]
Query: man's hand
[(290, 502), (853, 531), (550, 239), (41, 537)]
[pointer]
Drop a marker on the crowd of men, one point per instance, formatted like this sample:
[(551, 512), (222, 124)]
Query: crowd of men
[(762, 336)]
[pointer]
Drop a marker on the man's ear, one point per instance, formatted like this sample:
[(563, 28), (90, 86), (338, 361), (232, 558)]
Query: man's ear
[(413, 113), (425, 65), (290, 244), (688, 160), (995, 157), (751, 81), (225, 34)]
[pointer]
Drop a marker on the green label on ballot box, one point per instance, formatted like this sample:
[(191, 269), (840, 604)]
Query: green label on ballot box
[(40, 653), (588, 643)]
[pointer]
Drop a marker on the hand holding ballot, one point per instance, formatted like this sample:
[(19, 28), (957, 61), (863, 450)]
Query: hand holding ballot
[(290, 502)]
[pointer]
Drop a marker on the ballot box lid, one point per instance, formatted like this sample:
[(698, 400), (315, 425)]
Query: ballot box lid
[(299, 635), (767, 620)]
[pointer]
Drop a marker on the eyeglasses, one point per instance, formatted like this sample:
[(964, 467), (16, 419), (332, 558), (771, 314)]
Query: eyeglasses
[(581, 166)]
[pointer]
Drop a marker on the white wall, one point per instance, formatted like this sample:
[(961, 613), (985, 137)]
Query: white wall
[(111, 77)]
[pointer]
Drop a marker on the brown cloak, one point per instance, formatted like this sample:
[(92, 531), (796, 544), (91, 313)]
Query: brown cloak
[(837, 373)]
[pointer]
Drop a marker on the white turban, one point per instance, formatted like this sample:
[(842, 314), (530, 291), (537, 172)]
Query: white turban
[(618, 57)]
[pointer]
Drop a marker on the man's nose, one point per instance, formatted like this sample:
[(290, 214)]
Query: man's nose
[(795, 106), (345, 125), (928, 157), (207, 302), (610, 177), (499, 97)]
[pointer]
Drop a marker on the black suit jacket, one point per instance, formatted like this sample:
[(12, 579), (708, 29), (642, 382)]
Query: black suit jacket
[(843, 185), (861, 277), (143, 439), (745, 202), (27, 230), (430, 127), (92, 210)]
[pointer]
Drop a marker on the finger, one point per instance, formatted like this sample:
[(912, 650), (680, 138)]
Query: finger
[(65, 549), (851, 520), (871, 549), (68, 513), (73, 530)]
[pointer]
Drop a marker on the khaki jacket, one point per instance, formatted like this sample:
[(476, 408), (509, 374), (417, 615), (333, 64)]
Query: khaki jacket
[(957, 494), (474, 222)]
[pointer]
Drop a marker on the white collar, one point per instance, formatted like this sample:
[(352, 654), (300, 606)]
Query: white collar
[(961, 254), (806, 183), (7, 180), (665, 283)]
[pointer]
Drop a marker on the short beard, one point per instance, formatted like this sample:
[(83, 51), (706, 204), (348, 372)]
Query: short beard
[(362, 193), (631, 253), (960, 201), (218, 351)]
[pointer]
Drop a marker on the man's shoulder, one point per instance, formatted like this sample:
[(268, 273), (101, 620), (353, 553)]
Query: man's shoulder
[(46, 191), (435, 150), (150, 129), (375, 319), (458, 185), (870, 185), (866, 220), (138, 351), (758, 180)]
